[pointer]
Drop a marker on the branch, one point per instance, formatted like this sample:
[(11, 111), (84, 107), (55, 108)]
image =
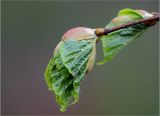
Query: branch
[(149, 22)]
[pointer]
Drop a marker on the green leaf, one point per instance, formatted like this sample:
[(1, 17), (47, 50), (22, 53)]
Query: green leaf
[(75, 55), (66, 70), (60, 82), (115, 41)]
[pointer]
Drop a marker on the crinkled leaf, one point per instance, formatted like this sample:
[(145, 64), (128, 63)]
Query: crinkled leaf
[(115, 41), (60, 82), (66, 70), (75, 55)]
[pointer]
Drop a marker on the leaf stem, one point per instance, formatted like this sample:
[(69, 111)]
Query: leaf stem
[(148, 21)]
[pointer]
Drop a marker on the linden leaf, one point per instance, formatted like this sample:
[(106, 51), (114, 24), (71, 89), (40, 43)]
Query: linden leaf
[(115, 41), (66, 70), (60, 81), (75, 55)]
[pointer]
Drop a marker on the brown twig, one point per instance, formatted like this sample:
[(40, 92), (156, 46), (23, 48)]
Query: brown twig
[(149, 22)]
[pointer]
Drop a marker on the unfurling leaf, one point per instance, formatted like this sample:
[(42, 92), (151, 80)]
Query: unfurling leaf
[(115, 41), (67, 68)]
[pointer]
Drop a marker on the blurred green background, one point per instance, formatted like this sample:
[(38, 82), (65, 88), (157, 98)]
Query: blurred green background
[(128, 85)]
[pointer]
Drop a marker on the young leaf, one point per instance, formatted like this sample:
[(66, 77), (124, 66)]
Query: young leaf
[(75, 55), (67, 68), (115, 41), (60, 81)]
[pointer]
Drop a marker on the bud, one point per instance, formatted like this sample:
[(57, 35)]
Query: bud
[(144, 14), (80, 33), (122, 19)]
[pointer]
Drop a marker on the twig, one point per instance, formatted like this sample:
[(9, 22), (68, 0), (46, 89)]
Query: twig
[(149, 22)]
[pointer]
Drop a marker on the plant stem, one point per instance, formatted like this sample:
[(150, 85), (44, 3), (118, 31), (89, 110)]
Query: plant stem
[(148, 21)]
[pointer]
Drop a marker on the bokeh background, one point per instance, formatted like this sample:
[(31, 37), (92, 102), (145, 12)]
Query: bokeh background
[(128, 85)]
